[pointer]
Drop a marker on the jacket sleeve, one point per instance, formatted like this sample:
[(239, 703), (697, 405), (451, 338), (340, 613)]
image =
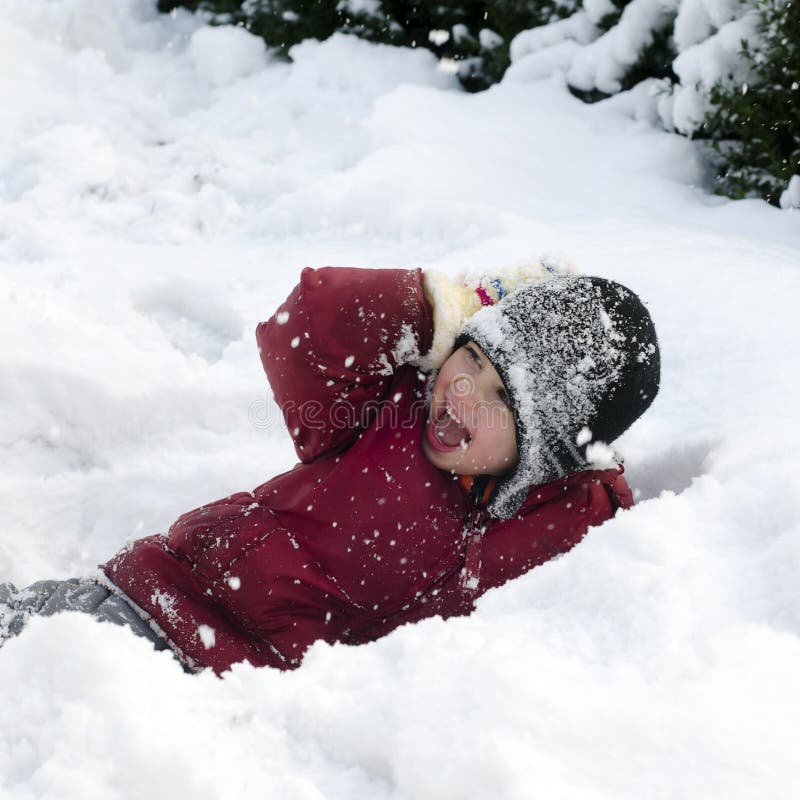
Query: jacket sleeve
[(512, 547), (330, 349)]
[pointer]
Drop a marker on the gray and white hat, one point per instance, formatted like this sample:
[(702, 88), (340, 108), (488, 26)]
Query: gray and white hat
[(580, 361)]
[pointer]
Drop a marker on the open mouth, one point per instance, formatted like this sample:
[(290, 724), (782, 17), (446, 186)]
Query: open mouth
[(446, 431)]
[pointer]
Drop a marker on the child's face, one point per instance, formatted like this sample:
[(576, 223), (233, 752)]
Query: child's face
[(471, 429)]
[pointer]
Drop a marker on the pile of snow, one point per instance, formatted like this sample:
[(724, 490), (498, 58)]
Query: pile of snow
[(158, 197)]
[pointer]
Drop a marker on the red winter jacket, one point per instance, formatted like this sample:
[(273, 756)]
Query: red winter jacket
[(364, 534)]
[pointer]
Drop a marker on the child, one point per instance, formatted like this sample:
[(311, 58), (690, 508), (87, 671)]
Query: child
[(442, 452)]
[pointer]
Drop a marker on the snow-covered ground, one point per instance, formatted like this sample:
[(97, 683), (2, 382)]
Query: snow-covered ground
[(161, 186)]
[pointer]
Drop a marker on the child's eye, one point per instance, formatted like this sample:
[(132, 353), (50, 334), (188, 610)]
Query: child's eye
[(503, 395), (473, 355)]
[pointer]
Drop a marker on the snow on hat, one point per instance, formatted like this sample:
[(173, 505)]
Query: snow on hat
[(579, 359)]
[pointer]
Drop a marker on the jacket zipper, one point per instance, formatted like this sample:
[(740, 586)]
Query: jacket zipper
[(473, 534)]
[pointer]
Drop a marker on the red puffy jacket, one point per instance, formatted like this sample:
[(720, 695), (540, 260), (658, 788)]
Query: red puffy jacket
[(364, 534)]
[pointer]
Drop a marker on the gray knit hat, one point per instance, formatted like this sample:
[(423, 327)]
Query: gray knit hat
[(579, 359)]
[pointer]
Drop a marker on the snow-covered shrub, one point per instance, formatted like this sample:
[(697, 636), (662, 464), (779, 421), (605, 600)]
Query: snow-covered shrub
[(724, 70), (756, 123), (633, 41), (505, 19)]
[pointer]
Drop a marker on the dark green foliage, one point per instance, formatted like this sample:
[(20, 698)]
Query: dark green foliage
[(281, 23), (509, 17), (756, 126)]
